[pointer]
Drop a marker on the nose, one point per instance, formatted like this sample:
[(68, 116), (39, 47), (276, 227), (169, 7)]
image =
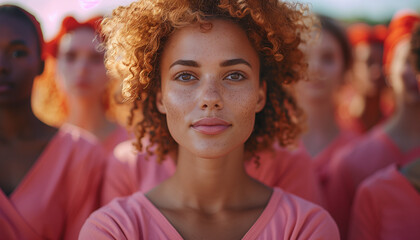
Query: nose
[(211, 95), (82, 67)]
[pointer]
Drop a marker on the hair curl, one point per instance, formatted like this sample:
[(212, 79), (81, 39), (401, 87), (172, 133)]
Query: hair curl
[(134, 38)]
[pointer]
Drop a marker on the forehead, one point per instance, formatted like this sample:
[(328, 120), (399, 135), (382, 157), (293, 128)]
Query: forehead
[(13, 28), (224, 39), (79, 39)]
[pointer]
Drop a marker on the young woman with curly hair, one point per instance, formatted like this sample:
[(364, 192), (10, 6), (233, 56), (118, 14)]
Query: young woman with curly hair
[(208, 77), (75, 88), (49, 178)]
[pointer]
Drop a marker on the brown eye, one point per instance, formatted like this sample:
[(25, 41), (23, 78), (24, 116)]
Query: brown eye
[(185, 77), (235, 76), (18, 53)]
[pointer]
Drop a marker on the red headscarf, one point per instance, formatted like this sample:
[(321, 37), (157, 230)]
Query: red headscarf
[(363, 33), (70, 24), (400, 28)]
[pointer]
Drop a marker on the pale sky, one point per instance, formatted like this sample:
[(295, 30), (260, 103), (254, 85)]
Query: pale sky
[(51, 12)]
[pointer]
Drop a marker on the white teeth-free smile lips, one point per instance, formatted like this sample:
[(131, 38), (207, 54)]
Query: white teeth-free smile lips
[(210, 126)]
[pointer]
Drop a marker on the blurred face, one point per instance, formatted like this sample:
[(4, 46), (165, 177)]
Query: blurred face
[(81, 69), (369, 77), (210, 88), (326, 69), (19, 60), (403, 75)]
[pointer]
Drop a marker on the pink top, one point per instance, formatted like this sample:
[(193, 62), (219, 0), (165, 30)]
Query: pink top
[(135, 217), (351, 166), (119, 135), (129, 172), (386, 207), (322, 160), (59, 192)]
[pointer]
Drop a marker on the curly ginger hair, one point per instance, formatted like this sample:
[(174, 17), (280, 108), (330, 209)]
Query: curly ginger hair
[(134, 38)]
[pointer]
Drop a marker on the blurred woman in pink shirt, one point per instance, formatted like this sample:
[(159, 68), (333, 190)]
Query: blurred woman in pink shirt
[(387, 204), (209, 77), (75, 87), (50, 178), (329, 60), (397, 141)]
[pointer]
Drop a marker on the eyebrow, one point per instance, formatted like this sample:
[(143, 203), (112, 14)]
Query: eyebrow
[(189, 63), (18, 42), (235, 61), (227, 63)]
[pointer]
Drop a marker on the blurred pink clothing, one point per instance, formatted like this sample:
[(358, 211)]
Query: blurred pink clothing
[(129, 172), (386, 207), (59, 192), (322, 160), (119, 135), (351, 166), (135, 217)]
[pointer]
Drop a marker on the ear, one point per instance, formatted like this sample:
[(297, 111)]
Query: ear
[(262, 97), (159, 104)]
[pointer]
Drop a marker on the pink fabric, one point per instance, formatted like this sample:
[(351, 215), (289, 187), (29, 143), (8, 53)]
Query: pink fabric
[(386, 207), (135, 217), (322, 161), (118, 136), (58, 193), (351, 166), (129, 172)]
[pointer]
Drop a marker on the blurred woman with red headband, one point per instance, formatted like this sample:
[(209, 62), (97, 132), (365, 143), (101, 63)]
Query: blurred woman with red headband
[(75, 87), (387, 204), (372, 100), (395, 142)]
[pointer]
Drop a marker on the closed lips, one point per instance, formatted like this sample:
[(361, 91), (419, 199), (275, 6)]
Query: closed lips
[(210, 126)]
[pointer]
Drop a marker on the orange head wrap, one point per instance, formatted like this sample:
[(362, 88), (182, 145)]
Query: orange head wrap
[(363, 33), (70, 24), (400, 28)]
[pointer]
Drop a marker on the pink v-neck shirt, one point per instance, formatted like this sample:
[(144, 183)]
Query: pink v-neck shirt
[(386, 207), (322, 160), (119, 135), (351, 166), (135, 217), (129, 172), (59, 192)]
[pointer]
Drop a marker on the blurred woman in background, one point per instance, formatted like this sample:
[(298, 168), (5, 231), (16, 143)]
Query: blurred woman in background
[(371, 101), (75, 88), (397, 141), (49, 178), (329, 58)]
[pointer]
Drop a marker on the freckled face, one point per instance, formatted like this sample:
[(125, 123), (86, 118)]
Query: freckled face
[(326, 69), (210, 88), (81, 66)]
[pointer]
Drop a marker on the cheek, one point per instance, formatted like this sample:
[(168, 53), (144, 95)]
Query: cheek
[(243, 104), (177, 104)]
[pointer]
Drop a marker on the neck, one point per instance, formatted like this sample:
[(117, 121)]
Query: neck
[(89, 114), (404, 127), (17, 122), (322, 127), (211, 184)]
